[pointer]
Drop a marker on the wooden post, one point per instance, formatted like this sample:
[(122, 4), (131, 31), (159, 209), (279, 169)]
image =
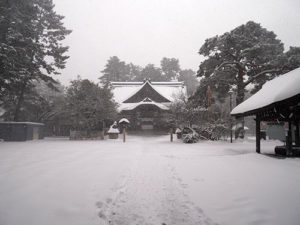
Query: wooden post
[(171, 134), (289, 141), (257, 135), (124, 134), (297, 135)]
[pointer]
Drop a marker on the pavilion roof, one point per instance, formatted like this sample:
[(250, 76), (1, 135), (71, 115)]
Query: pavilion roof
[(279, 97)]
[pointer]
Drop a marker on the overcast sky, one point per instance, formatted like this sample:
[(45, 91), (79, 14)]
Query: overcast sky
[(144, 31)]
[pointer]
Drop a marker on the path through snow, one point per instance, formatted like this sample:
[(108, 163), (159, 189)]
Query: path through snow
[(151, 193)]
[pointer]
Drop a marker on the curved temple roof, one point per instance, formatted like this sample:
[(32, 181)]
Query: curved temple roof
[(130, 95), (146, 101)]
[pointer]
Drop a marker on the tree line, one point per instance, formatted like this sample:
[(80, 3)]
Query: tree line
[(169, 70)]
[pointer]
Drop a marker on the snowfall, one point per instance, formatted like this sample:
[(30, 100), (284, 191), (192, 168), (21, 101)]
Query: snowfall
[(147, 180)]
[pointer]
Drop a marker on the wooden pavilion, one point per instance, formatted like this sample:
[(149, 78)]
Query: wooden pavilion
[(278, 100)]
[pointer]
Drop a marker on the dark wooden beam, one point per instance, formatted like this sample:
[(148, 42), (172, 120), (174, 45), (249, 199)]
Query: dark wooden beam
[(289, 140), (297, 135), (257, 134)]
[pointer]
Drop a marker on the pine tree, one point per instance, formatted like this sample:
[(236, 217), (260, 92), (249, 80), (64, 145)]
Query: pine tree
[(134, 73), (115, 70), (170, 68), (31, 48), (247, 54), (152, 72)]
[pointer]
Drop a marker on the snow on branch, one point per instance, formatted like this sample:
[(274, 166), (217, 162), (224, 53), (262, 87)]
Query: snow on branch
[(259, 75), (232, 65)]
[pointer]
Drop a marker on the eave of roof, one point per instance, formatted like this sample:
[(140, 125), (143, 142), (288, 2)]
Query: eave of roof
[(138, 83), (281, 110), (132, 106), (282, 91)]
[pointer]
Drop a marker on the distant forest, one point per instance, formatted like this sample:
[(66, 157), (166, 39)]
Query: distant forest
[(169, 70)]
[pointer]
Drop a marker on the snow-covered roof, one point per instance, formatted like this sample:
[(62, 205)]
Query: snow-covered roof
[(124, 120), (131, 106), (113, 130), (276, 90), (124, 90)]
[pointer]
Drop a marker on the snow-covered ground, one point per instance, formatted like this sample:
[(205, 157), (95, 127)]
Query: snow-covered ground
[(146, 180)]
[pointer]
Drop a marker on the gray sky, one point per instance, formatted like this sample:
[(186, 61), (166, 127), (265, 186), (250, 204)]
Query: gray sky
[(144, 31)]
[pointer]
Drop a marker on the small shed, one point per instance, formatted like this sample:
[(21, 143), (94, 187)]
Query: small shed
[(278, 100), (21, 131)]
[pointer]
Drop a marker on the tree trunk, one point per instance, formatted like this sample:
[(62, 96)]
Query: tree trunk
[(20, 102), (240, 88), (239, 128), (258, 135)]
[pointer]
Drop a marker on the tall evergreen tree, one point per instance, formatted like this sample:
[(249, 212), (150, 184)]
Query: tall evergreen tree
[(188, 76), (170, 68), (134, 73), (152, 72), (247, 54), (115, 70), (30, 50)]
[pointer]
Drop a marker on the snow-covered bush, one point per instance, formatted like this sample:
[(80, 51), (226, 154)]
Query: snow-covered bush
[(189, 135), (190, 138), (212, 131)]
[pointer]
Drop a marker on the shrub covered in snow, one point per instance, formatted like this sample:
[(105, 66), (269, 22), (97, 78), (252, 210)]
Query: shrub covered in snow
[(190, 138), (189, 135), (212, 131)]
